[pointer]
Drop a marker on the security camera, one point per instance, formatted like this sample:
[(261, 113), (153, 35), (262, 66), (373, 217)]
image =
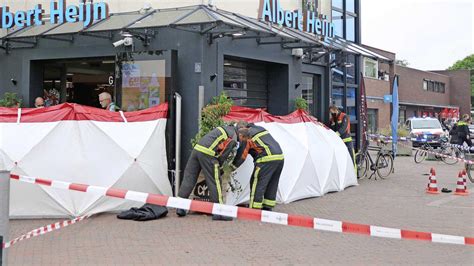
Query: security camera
[(119, 43), (14, 82), (127, 41)]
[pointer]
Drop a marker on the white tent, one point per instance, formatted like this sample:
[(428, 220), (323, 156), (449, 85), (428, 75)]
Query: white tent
[(85, 145), (316, 159)]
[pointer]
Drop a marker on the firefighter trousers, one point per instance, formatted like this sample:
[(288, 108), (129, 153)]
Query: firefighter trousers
[(350, 148), (209, 166), (264, 184)]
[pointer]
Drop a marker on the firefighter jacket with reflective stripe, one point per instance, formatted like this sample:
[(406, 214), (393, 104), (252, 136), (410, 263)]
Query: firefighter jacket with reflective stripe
[(261, 146), (462, 129), (342, 126), (218, 143)]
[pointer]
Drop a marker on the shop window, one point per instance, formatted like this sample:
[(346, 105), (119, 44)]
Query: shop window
[(337, 19), (351, 72), (307, 91), (350, 28), (370, 68), (246, 83), (143, 84), (351, 104), (337, 96), (372, 117)]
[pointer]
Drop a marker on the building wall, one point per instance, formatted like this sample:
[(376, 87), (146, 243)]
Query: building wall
[(460, 81), (411, 87), (377, 89)]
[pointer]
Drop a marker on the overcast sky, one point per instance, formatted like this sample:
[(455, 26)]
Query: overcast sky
[(429, 34)]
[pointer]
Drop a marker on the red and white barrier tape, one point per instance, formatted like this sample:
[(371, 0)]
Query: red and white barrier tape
[(43, 230), (440, 154), (252, 214)]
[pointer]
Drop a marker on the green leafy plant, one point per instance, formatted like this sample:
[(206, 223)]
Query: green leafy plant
[(10, 99), (212, 114), (301, 104)]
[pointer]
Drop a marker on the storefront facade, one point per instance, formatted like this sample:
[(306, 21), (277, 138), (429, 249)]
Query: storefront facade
[(193, 51)]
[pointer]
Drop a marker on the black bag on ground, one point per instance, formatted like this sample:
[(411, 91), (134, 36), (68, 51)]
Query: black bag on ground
[(146, 213)]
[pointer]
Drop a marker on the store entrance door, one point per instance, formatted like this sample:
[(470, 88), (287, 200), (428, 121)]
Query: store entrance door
[(76, 80)]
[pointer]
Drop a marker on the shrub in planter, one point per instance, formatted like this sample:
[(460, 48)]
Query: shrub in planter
[(212, 117), (10, 99)]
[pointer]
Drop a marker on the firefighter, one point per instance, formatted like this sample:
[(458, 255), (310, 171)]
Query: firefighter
[(463, 130), (208, 156), (341, 124), (268, 161)]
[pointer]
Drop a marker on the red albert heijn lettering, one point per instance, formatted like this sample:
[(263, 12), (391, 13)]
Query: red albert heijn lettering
[(86, 12), (310, 22)]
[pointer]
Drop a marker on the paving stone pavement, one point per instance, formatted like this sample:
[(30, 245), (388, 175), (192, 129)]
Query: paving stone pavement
[(398, 202)]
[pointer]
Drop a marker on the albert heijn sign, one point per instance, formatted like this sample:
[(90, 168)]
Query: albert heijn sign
[(86, 12), (306, 20)]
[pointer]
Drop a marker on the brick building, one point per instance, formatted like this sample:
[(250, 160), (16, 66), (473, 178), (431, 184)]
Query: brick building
[(421, 93)]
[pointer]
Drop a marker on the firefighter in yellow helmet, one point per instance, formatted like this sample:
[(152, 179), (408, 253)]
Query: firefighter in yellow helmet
[(341, 124)]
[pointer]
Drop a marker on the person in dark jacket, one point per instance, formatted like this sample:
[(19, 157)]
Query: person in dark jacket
[(463, 130), (268, 161), (208, 156), (341, 124)]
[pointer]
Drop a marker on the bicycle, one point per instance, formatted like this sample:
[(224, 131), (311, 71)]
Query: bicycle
[(383, 165), (467, 154), (449, 152)]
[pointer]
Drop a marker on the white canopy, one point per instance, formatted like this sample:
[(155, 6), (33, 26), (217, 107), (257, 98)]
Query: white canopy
[(316, 159)]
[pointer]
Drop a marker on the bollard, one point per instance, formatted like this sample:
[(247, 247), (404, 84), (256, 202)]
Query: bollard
[(4, 212)]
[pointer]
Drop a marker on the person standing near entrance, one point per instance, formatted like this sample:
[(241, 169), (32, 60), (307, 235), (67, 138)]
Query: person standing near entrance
[(106, 102), (268, 161), (463, 130), (208, 156), (341, 124)]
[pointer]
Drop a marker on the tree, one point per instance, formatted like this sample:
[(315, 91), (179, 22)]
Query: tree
[(466, 63)]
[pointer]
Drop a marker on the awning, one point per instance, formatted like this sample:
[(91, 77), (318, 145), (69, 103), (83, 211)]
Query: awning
[(201, 19)]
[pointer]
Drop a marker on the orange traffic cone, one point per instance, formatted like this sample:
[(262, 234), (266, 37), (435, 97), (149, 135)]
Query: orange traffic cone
[(461, 185), (464, 179), (433, 184)]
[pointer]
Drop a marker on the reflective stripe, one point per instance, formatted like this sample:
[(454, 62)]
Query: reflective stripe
[(257, 205), (269, 203), (257, 138), (254, 186), (219, 139), (270, 158), (349, 139), (259, 135), (462, 123), (205, 150), (218, 183)]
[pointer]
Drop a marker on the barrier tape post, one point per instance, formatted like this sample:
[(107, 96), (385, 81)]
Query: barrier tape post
[(4, 212), (252, 214)]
